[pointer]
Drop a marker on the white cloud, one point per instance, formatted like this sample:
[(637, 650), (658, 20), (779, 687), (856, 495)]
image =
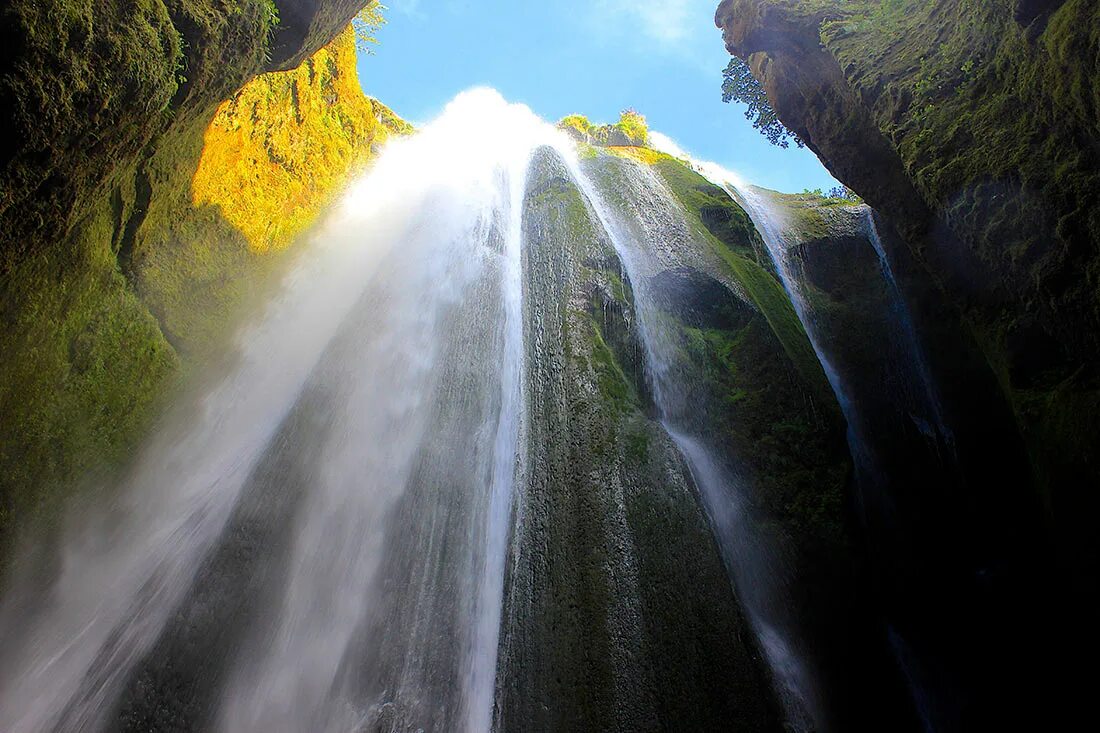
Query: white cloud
[(670, 24)]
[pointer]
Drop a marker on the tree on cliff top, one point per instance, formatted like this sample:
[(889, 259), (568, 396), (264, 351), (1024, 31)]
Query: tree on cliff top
[(739, 85), (367, 22)]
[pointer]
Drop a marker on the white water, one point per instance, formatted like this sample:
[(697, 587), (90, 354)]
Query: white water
[(651, 234), (382, 392), (769, 221), (397, 339), (929, 393), (918, 398)]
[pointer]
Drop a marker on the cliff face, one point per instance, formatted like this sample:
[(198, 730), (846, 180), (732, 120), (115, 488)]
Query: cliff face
[(971, 128), (276, 151), (614, 554), (129, 221), (748, 382)]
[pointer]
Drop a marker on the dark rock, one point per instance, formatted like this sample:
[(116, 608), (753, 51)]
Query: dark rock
[(699, 300), (307, 25), (960, 127), (619, 615), (1028, 11)]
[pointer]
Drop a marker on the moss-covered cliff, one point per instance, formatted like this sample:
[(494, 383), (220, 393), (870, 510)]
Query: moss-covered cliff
[(134, 198), (737, 371), (774, 410), (971, 127), (619, 613), (277, 150)]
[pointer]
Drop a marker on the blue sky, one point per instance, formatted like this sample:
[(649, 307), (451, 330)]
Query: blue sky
[(595, 57)]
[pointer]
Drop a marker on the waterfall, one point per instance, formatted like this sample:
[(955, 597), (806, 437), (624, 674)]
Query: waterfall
[(928, 392), (378, 400), (346, 528), (651, 234), (773, 229), (881, 413)]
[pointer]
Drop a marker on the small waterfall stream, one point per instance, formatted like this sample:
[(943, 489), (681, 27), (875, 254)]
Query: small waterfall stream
[(921, 398), (928, 392), (907, 385), (651, 235)]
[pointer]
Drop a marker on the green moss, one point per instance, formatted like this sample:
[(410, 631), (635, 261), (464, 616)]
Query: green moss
[(99, 320), (631, 130), (634, 126), (795, 453), (614, 387), (637, 442), (730, 232), (711, 204), (91, 364), (577, 126)]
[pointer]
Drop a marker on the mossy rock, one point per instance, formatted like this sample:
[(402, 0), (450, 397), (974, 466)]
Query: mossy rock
[(130, 273)]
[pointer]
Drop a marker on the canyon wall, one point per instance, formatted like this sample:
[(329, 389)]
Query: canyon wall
[(145, 152), (971, 128)]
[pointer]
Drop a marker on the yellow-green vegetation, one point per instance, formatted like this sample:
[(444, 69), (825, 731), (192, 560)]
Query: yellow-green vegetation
[(649, 156), (631, 130), (278, 150), (576, 125), (389, 119), (366, 24), (126, 247), (634, 126)]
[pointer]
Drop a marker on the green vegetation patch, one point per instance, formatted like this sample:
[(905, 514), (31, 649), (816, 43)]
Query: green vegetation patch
[(631, 130), (731, 234), (90, 364)]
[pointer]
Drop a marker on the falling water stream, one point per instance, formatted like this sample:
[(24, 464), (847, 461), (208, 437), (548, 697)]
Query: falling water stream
[(396, 342), (930, 403), (356, 472), (651, 234), (914, 394)]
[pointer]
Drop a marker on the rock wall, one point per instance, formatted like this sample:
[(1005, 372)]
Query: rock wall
[(124, 246), (619, 614), (760, 394), (971, 127)]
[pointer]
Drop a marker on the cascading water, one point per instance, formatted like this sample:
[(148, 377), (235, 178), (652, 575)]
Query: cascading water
[(907, 435), (773, 228), (651, 235), (396, 343), (334, 536), (928, 393), (922, 402)]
